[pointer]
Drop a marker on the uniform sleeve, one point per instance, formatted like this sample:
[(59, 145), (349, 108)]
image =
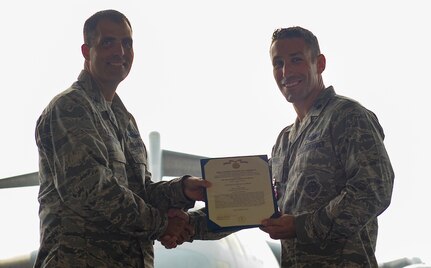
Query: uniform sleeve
[(167, 194), (75, 160), (198, 220), (358, 143)]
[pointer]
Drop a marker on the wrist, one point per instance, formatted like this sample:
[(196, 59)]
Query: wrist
[(183, 186)]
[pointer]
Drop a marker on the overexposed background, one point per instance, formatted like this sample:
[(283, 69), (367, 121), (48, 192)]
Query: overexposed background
[(202, 77)]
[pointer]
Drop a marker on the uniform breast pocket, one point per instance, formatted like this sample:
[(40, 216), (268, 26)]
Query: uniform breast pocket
[(137, 154), (276, 164), (317, 154), (139, 164), (118, 167)]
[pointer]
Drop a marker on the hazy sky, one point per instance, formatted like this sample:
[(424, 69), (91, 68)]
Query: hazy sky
[(202, 77)]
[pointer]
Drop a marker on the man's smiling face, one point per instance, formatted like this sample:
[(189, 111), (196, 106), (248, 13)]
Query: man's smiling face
[(297, 74), (111, 52)]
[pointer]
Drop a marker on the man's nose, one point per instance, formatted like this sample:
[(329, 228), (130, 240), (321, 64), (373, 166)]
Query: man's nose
[(119, 48), (286, 70)]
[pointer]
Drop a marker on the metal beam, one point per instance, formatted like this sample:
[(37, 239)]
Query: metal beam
[(165, 163), (30, 179), (178, 164)]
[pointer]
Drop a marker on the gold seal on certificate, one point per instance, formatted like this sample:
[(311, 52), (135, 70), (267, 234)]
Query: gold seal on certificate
[(241, 194)]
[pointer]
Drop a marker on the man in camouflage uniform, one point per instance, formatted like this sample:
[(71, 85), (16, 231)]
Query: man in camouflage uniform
[(332, 172), (98, 205)]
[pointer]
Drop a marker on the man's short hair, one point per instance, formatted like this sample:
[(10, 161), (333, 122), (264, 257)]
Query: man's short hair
[(91, 23), (298, 32)]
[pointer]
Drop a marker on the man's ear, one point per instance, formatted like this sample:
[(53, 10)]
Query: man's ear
[(321, 63), (85, 50)]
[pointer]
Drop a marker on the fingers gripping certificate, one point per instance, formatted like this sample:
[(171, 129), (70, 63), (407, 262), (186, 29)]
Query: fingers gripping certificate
[(241, 194)]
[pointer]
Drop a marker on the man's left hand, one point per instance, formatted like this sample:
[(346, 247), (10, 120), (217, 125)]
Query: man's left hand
[(194, 188)]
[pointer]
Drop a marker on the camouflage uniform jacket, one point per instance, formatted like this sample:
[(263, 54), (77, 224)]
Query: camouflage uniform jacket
[(333, 173), (98, 205)]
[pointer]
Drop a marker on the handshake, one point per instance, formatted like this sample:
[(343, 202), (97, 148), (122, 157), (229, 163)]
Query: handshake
[(178, 230)]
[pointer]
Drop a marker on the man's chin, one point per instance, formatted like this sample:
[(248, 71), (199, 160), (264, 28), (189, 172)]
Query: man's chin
[(119, 76), (288, 97), (289, 100)]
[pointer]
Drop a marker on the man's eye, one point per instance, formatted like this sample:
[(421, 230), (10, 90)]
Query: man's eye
[(296, 60), (106, 43), (128, 44), (277, 64)]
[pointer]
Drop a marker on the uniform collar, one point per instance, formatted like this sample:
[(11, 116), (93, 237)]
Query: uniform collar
[(117, 111), (315, 110), (321, 101)]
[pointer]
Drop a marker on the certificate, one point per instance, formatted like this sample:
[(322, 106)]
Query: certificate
[(241, 193)]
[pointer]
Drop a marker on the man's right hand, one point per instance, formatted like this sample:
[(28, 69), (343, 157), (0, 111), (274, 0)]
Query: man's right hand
[(282, 227), (178, 230)]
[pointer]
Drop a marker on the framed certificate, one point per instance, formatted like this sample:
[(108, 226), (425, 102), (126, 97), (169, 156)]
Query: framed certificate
[(241, 194)]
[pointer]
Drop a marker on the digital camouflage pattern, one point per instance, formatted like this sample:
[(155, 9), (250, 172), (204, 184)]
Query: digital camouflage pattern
[(198, 219), (333, 173), (98, 205)]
